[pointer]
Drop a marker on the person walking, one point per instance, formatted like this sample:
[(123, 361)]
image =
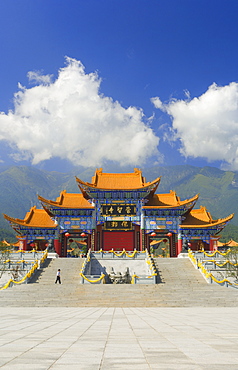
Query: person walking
[(58, 277)]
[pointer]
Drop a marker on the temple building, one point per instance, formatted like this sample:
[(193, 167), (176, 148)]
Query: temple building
[(118, 211)]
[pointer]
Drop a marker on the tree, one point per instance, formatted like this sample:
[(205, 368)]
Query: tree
[(232, 263), (4, 256)]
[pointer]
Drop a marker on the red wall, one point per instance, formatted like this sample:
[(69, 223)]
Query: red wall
[(118, 240)]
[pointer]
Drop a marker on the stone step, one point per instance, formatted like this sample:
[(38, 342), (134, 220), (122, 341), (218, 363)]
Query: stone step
[(179, 285), (70, 269)]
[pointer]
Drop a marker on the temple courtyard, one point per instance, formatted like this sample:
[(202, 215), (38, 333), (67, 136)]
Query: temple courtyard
[(118, 338), (180, 323)]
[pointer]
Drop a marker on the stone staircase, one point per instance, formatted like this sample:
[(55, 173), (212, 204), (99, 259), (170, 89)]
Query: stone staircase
[(70, 268), (179, 285)]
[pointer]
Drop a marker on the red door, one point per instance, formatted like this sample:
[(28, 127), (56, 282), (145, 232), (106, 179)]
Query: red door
[(118, 240)]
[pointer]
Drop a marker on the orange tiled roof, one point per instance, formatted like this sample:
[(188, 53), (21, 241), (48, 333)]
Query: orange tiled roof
[(68, 200), (128, 181), (231, 243), (154, 242), (202, 218), (168, 200), (6, 243), (17, 244), (34, 218)]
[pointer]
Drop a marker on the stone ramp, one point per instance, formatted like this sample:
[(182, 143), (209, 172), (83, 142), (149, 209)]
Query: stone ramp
[(179, 285)]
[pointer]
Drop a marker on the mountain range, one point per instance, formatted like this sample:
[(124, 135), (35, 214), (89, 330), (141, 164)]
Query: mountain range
[(218, 190)]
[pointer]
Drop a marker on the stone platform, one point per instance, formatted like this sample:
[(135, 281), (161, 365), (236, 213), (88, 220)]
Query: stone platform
[(180, 323)]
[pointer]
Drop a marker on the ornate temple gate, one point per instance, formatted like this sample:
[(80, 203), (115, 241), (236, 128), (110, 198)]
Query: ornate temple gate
[(119, 211)]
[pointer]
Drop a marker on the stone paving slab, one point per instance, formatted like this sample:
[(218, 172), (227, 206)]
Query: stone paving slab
[(91, 338)]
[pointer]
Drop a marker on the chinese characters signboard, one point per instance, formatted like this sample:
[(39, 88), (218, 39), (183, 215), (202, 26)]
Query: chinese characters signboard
[(118, 225), (119, 210)]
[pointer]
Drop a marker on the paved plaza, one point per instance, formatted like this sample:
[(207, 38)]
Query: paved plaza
[(118, 338), (180, 323)]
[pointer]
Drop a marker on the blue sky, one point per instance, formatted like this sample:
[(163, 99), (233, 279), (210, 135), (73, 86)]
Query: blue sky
[(130, 83)]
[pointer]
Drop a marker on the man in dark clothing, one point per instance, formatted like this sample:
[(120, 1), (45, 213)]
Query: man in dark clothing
[(58, 277)]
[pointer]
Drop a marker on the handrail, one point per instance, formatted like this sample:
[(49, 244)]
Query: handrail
[(121, 253), (139, 277), (21, 261), (222, 264), (92, 281), (214, 253), (205, 272), (28, 274), (23, 251)]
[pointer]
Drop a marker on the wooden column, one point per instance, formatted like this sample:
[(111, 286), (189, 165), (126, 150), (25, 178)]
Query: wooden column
[(141, 240), (211, 245), (23, 244), (57, 246), (92, 240), (180, 243)]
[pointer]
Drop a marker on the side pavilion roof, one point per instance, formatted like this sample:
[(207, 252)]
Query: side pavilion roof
[(201, 218), (231, 243), (34, 218), (169, 200), (67, 200), (118, 181)]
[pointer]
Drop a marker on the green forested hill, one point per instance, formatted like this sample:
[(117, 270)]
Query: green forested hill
[(218, 189), (20, 185)]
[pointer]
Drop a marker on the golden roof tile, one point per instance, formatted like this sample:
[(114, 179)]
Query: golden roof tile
[(34, 218), (202, 218), (168, 200), (118, 181), (231, 243), (68, 200)]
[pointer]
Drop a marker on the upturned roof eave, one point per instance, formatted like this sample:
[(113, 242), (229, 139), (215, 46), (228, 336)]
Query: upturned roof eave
[(208, 225), (58, 205), (20, 222), (49, 202), (13, 220), (190, 201)]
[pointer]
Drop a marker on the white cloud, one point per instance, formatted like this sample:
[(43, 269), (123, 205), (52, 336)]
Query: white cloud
[(158, 103), (69, 118), (37, 77), (207, 126)]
